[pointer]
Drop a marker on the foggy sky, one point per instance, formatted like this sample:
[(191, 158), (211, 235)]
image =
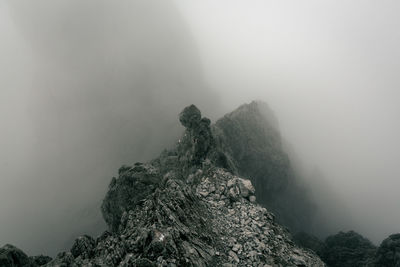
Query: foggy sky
[(86, 86), (329, 69)]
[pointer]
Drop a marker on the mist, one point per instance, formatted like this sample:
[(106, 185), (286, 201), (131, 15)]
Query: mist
[(85, 87), (329, 70), (88, 86)]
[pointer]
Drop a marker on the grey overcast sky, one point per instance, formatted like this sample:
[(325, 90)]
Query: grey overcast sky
[(86, 86)]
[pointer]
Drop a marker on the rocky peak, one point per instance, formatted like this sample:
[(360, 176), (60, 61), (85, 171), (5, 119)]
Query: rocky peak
[(250, 139), (197, 140), (186, 208)]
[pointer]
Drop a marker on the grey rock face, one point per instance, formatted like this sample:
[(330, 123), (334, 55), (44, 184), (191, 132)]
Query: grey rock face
[(250, 139), (133, 185)]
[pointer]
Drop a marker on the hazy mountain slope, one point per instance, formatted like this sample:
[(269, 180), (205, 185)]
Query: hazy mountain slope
[(183, 209), (250, 137)]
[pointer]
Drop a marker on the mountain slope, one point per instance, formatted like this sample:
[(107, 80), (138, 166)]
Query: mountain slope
[(183, 209), (250, 137)]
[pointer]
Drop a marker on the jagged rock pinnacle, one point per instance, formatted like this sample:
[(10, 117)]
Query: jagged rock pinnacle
[(190, 116), (198, 140)]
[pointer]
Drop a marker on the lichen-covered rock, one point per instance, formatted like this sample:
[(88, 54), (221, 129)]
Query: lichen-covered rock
[(388, 253)]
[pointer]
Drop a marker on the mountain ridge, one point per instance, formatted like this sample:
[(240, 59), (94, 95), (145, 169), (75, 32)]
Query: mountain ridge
[(203, 203)]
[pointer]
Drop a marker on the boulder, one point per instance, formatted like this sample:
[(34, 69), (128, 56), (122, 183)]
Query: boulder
[(190, 116), (240, 187)]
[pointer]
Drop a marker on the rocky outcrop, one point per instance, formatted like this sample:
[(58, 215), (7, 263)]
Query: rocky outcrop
[(11, 256), (211, 219), (388, 253), (39, 260), (133, 185), (352, 249), (188, 207), (249, 233), (185, 209), (348, 249), (251, 141)]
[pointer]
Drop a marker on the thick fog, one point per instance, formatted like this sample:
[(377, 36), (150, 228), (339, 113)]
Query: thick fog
[(330, 71), (86, 86)]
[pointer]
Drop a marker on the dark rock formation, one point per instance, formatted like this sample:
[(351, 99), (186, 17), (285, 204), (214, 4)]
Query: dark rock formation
[(197, 140), (133, 185), (39, 260), (309, 241), (352, 249), (348, 249), (83, 247), (388, 253), (250, 139), (12, 256), (211, 221), (183, 209)]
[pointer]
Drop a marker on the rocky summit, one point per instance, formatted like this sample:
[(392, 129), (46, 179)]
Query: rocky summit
[(250, 138), (217, 198), (191, 206)]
